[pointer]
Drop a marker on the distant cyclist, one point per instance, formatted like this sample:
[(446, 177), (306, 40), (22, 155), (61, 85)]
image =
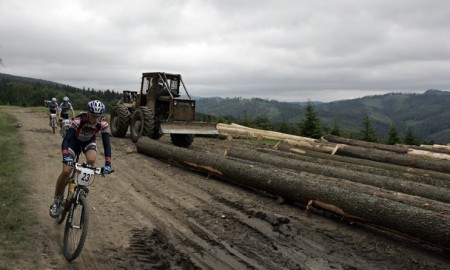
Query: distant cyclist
[(64, 109), (81, 136), (53, 107)]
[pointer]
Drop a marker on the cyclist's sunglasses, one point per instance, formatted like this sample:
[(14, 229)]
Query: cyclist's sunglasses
[(95, 115)]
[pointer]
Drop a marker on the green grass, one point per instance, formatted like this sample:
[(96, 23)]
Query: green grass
[(15, 217)]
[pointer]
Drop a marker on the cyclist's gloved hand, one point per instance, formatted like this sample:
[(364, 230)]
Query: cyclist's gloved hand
[(68, 160), (106, 170)]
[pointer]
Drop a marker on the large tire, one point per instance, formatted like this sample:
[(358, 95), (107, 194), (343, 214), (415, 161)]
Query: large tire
[(75, 233), (182, 140), (157, 132), (62, 214), (142, 123), (120, 120)]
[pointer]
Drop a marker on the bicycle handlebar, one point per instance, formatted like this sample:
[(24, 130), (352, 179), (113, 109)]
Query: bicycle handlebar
[(96, 170)]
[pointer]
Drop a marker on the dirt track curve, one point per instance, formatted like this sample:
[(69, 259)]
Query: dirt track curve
[(151, 215)]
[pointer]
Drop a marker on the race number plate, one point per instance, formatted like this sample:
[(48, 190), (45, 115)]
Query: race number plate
[(84, 176)]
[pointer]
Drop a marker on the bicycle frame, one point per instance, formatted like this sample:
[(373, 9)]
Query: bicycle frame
[(53, 121), (75, 232)]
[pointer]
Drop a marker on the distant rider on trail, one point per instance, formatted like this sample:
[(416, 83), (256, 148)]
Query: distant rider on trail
[(81, 136), (64, 108), (53, 107)]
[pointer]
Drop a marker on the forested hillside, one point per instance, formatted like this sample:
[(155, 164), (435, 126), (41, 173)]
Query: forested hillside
[(426, 116), (22, 91)]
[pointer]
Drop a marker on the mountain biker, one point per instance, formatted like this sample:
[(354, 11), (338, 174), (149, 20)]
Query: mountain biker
[(52, 106), (81, 136), (64, 108)]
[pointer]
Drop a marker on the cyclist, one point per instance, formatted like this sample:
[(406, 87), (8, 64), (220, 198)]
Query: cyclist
[(64, 108), (52, 106), (81, 136)]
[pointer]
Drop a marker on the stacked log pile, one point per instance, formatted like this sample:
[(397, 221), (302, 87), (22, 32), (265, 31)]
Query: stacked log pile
[(400, 192)]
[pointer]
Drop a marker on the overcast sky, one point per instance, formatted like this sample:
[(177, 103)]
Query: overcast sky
[(294, 50)]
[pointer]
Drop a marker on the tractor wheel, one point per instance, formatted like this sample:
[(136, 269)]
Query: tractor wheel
[(157, 133), (182, 140), (142, 123), (120, 119), (149, 122)]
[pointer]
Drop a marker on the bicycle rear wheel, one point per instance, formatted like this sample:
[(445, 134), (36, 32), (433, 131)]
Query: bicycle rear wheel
[(76, 231), (54, 126)]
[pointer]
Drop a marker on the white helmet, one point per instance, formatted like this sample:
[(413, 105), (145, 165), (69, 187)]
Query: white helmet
[(65, 99), (54, 99), (96, 107)]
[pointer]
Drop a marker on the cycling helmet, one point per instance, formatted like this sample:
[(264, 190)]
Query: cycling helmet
[(65, 99), (54, 99), (96, 107)]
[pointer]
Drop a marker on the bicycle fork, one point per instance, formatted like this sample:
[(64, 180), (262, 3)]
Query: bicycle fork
[(75, 200)]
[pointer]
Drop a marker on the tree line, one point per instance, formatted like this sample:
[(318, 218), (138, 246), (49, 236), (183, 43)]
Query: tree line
[(311, 126), (33, 93)]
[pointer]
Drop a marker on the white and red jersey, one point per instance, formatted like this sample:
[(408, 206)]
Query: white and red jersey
[(84, 131)]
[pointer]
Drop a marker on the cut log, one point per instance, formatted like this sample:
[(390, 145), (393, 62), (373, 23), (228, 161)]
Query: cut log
[(368, 166), (382, 156), (427, 225), (238, 129), (428, 154), (340, 140), (399, 185), (392, 158)]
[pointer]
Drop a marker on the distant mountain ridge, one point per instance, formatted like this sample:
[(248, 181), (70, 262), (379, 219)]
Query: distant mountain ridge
[(427, 114)]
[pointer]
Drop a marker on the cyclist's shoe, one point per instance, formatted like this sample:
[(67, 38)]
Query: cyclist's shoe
[(55, 208)]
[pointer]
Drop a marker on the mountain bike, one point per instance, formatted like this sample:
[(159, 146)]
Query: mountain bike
[(76, 208), (65, 125), (53, 122)]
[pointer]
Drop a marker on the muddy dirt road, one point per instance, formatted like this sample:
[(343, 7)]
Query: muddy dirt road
[(151, 215)]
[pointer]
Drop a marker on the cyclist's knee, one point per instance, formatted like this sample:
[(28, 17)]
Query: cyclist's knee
[(66, 169)]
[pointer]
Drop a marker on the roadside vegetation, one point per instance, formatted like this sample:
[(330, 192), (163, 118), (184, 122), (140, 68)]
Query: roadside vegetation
[(15, 216)]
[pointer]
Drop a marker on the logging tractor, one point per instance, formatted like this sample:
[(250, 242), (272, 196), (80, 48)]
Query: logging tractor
[(159, 108)]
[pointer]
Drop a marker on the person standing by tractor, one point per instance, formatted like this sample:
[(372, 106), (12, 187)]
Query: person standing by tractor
[(64, 108), (53, 107), (81, 137)]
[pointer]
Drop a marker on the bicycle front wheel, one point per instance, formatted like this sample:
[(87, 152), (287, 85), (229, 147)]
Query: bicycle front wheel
[(76, 229), (63, 210)]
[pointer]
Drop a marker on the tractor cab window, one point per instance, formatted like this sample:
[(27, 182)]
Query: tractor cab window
[(174, 85), (147, 84)]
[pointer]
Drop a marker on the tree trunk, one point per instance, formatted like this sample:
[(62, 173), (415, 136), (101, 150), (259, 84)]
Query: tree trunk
[(400, 185), (366, 166), (392, 148), (398, 159), (427, 225)]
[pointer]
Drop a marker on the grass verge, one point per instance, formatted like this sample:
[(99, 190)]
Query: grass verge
[(14, 214)]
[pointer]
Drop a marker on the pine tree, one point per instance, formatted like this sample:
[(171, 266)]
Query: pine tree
[(410, 139), (310, 126), (367, 132), (336, 131), (393, 136)]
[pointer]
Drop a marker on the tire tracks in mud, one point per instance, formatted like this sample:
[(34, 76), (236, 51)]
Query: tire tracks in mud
[(152, 215)]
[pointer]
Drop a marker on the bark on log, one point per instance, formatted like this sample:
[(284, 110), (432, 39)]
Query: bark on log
[(388, 183), (435, 148), (427, 225), (432, 177), (398, 159), (372, 167), (235, 128), (428, 154), (392, 148)]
